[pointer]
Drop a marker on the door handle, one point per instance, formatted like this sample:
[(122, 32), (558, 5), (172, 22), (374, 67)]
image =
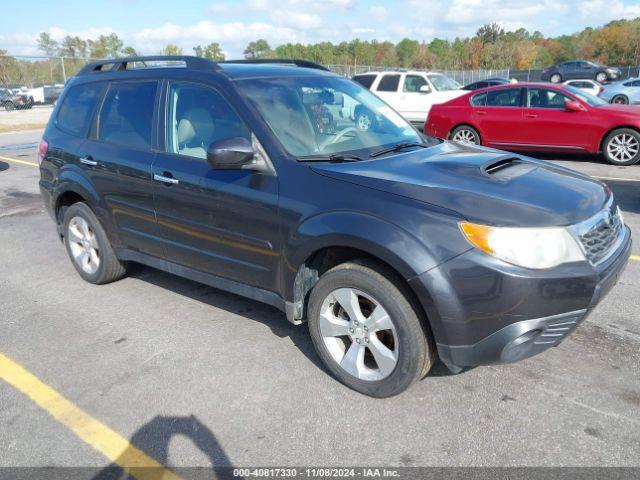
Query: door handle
[(481, 112), (87, 160), (164, 179), (531, 115)]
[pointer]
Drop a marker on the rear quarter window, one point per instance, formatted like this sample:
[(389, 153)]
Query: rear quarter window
[(365, 80), (479, 100), (77, 108)]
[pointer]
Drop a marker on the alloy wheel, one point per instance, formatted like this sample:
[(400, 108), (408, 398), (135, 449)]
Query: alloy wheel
[(464, 136), (601, 77), (83, 245), (555, 78), (623, 147), (619, 99), (359, 334)]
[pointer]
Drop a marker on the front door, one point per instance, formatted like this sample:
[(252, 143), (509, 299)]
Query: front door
[(550, 125), (222, 222), (414, 103)]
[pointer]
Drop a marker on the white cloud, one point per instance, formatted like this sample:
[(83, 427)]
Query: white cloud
[(378, 12), (607, 10)]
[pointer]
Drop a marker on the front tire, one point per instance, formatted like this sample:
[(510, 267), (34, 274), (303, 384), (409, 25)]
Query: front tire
[(622, 147), (88, 246), (556, 78), (601, 77), (465, 135), (367, 331), (620, 100)]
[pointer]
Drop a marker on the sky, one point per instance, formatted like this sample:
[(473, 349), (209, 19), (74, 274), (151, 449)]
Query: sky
[(148, 25)]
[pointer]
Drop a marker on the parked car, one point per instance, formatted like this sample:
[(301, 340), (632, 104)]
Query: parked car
[(624, 92), (590, 86), (540, 117), (580, 69), (393, 246), (410, 93), (489, 82), (12, 101)]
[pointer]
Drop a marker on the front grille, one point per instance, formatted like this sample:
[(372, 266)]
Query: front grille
[(598, 240)]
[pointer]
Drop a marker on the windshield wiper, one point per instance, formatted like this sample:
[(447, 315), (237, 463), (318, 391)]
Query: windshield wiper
[(331, 158), (397, 147)]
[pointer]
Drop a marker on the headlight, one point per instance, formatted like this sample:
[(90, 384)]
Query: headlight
[(526, 247)]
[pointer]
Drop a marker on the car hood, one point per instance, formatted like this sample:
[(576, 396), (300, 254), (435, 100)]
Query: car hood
[(482, 185)]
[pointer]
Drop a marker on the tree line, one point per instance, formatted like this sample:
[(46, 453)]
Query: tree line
[(616, 43)]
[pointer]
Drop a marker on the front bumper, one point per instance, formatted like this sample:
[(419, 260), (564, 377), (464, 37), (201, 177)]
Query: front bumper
[(483, 311)]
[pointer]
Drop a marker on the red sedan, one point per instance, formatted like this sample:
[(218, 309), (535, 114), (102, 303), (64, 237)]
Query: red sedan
[(540, 117)]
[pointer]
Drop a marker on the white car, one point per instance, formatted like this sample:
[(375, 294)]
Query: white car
[(590, 86), (411, 93)]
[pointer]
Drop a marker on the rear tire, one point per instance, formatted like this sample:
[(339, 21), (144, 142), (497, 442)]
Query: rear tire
[(88, 246), (620, 100), (622, 147), (465, 135), (382, 347), (9, 106), (601, 77), (556, 78)]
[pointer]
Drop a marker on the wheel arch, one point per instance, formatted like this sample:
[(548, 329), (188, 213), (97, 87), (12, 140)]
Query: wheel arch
[(317, 246), (613, 129), (466, 124)]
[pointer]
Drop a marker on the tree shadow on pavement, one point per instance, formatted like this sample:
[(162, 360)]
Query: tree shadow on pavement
[(154, 439)]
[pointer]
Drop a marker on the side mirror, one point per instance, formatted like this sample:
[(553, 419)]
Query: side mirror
[(424, 89), (573, 106), (230, 154)]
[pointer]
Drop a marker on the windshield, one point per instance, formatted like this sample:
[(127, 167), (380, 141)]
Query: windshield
[(320, 115), (442, 83), (586, 96)]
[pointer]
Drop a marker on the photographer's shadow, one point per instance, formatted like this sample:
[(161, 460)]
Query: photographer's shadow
[(154, 439)]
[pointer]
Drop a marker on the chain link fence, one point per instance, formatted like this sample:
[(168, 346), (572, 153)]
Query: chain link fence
[(463, 77)]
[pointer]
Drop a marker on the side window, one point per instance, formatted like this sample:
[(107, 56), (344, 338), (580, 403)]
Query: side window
[(479, 100), (77, 108), (482, 85), (412, 83), (365, 80), (389, 83), (508, 97), (543, 98), (198, 116), (126, 117)]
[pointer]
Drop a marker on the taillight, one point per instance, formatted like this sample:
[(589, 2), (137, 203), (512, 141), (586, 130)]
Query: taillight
[(42, 150), (601, 90)]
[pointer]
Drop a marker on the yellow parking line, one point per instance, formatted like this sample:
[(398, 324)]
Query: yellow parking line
[(31, 164), (619, 179), (635, 257), (116, 448)]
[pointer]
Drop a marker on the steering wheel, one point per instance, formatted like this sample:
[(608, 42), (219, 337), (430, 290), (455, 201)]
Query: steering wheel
[(338, 137)]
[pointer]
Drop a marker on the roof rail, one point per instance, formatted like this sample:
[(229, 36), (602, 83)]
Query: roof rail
[(119, 64), (281, 61)]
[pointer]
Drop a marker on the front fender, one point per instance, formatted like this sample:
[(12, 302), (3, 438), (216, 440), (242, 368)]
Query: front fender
[(380, 238)]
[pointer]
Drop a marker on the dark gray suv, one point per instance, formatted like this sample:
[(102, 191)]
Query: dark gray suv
[(395, 248)]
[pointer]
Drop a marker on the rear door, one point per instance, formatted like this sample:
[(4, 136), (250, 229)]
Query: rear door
[(387, 87), (221, 222), (120, 152), (499, 115), (550, 124)]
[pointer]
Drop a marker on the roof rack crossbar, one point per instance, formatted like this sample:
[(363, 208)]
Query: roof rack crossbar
[(119, 64), (282, 61)]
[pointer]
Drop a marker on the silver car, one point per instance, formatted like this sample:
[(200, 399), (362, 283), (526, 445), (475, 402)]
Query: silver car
[(626, 91)]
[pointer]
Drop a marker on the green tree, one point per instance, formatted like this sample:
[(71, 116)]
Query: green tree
[(407, 50), (130, 52), (258, 49), (211, 51), (74, 47), (47, 45), (490, 33), (171, 49)]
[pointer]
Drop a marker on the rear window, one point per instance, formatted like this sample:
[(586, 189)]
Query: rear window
[(77, 108), (126, 117), (389, 83), (365, 80)]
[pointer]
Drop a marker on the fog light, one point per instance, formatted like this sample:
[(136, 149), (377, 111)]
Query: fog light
[(520, 347)]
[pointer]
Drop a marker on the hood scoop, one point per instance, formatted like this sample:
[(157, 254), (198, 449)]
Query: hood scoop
[(507, 168)]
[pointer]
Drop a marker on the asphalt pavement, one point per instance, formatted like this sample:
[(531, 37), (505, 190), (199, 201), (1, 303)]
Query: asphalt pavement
[(193, 376)]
